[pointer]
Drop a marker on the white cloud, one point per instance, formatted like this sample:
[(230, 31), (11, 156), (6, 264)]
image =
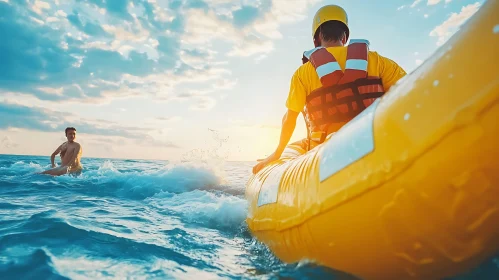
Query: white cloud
[(400, 8), (6, 1), (224, 84), (39, 6), (40, 22), (434, 2), (8, 143), (426, 15), (198, 61), (203, 103), (416, 2), (128, 37), (218, 63), (54, 91), (101, 45), (162, 86), (188, 95), (445, 30), (256, 38), (27, 100), (202, 28), (268, 26), (115, 45), (121, 34), (218, 2), (291, 11), (161, 13), (416, 53), (38, 116), (282, 12), (251, 47), (52, 19), (61, 13), (169, 119)]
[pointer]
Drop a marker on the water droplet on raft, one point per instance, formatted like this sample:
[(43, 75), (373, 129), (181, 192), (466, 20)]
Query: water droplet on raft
[(451, 76), (435, 83), (496, 29), (418, 106), (407, 116)]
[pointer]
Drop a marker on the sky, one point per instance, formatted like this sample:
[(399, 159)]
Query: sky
[(180, 79)]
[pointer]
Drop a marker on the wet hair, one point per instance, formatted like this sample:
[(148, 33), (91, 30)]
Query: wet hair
[(68, 129), (332, 31)]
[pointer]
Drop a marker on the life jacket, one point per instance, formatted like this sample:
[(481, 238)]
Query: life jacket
[(343, 95)]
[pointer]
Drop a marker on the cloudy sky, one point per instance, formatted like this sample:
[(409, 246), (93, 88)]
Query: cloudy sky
[(173, 79)]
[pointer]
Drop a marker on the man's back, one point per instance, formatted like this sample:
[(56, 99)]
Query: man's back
[(305, 79)]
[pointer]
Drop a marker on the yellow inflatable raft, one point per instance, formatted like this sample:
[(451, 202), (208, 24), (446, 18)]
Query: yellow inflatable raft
[(410, 188)]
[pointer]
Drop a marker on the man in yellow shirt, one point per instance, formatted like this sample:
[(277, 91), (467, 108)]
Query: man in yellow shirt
[(335, 83)]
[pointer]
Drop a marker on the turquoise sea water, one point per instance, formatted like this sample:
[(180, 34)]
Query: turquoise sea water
[(139, 219)]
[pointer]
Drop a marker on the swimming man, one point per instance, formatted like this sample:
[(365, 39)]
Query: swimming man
[(70, 156)]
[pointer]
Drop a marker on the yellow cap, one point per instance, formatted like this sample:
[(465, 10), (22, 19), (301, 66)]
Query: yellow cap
[(328, 13)]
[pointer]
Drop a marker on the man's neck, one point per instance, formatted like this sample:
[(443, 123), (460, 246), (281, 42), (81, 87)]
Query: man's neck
[(330, 44)]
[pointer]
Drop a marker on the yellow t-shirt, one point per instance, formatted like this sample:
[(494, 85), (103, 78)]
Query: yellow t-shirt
[(305, 79)]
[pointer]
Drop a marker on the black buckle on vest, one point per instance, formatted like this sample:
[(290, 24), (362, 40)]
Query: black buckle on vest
[(337, 88), (344, 100)]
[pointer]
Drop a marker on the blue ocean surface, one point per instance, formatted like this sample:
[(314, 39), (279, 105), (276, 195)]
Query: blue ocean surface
[(139, 219)]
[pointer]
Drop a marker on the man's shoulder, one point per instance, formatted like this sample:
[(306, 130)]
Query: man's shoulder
[(376, 55), (75, 144), (373, 54), (304, 69), (302, 73)]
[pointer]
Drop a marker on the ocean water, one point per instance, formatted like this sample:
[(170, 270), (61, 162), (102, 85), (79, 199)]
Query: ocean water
[(139, 219)]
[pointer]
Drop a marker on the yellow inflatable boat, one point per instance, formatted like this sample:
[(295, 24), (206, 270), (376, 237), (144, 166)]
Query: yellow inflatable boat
[(409, 189)]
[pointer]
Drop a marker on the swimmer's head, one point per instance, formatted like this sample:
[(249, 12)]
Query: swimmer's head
[(70, 134)]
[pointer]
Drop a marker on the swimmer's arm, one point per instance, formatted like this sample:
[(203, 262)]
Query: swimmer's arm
[(75, 153), (52, 157)]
